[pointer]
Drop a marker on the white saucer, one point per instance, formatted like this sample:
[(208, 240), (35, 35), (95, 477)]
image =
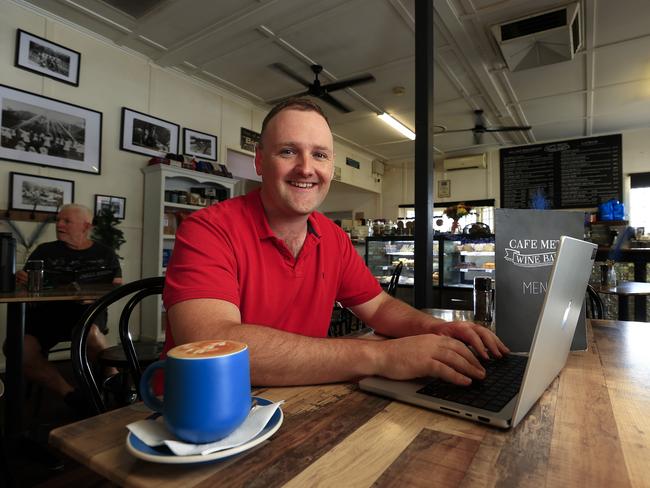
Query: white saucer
[(162, 454)]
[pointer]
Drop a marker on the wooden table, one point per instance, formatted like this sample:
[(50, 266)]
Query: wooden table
[(590, 428), (625, 289), (16, 305)]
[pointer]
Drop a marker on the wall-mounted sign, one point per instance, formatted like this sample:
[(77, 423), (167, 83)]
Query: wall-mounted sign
[(578, 173), (353, 163), (444, 188), (249, 139)]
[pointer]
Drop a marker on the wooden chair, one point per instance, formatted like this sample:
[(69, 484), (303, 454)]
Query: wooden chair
[(595, 307), (127, 355)]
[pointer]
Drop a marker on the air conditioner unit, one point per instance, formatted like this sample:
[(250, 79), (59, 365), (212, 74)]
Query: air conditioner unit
[(465, 162), (543, 38)]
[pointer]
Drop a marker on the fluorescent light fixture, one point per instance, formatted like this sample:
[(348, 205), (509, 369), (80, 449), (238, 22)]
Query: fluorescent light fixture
[(398, 126)]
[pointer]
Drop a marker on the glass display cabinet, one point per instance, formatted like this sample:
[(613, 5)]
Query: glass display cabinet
[(383, 253), (464, 258), (457, 259)]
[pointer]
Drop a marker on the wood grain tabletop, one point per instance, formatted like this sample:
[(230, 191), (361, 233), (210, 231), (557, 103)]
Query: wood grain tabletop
[(590, 428)]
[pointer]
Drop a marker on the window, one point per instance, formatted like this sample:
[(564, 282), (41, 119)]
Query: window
[(640, 200)]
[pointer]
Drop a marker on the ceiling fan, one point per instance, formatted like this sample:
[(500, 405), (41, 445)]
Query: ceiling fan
[(480, 128), (315, 89)]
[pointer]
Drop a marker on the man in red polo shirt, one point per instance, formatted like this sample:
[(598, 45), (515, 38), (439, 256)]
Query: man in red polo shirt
[(266, 269)]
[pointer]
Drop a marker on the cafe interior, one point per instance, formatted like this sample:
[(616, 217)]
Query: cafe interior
[(150, 110)]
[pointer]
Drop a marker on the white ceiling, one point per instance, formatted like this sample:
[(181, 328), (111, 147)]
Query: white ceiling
[(231, 43)]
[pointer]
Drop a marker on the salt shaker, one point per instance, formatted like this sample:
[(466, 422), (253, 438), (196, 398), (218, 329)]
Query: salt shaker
[(35, 271), (483, 301)]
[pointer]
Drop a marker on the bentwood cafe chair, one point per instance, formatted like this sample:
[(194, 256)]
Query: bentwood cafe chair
[(129, 356)]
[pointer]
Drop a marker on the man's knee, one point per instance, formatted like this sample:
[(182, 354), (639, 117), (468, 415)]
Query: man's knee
[(31, 347)]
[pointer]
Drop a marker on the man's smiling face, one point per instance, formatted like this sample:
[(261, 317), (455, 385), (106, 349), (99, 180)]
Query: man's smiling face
[(296, 162)]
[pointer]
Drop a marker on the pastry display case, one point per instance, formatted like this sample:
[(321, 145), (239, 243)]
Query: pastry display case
[(457, 259), (383, 253), (465, 258)]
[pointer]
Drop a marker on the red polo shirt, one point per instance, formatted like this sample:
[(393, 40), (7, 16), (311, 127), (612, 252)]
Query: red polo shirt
[(229, 252)]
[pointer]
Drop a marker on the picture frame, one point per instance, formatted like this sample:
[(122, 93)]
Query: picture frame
[(117, 204), (47, 58), (147, 135), (444, 188), (199, 144), (39, 193), (47, 132)]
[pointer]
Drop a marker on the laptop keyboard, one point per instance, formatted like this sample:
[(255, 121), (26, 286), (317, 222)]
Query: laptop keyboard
[(503, 378)]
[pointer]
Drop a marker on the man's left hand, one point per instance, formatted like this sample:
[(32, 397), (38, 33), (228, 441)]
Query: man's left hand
[(480, 338)]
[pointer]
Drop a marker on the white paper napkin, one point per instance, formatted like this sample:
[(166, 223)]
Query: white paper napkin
[(154, 433)]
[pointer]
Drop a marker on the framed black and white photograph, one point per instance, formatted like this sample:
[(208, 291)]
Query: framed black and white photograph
[(144, 134), (44, 131), (47, 58), (117, 205), (38, 193), (199, 144)]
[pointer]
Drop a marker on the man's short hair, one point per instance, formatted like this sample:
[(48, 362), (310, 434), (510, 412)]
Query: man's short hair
[(303, 104), (85, 211)]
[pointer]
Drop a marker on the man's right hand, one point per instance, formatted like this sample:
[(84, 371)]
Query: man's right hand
[(428, 355), (21, 277)]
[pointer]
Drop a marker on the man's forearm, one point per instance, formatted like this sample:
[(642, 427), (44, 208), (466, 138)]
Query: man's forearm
[(394, 318), (277, 357)]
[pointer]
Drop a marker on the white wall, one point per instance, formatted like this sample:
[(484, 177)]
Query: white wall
[(110, 79), (478, 184)]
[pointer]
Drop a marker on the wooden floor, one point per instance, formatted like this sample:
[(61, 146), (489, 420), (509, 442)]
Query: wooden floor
[(35, 464)]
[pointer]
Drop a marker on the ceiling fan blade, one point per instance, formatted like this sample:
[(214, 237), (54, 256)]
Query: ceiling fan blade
[(290, 73), (507, 128), (335, 103), (348, 82), (453, 130), (275, 101)]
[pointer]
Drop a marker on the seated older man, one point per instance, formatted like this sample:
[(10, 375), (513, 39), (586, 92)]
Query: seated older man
[(72, 257)]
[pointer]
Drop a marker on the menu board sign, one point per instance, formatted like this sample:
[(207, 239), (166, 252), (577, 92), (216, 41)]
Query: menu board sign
[(579, 173), (525, 245)]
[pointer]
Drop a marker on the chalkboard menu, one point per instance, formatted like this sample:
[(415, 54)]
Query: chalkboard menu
[(569, 174)]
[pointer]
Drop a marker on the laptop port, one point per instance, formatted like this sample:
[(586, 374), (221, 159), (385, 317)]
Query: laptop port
[(449, 410), (484, 419)]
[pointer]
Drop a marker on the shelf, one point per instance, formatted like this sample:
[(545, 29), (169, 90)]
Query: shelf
[(400, 253), (169, 236), (464, 270), (477, 253), (183, 206)]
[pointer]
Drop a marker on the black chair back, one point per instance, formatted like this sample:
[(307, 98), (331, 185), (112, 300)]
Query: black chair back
[(394, 279), (595, 307), (139, 289)]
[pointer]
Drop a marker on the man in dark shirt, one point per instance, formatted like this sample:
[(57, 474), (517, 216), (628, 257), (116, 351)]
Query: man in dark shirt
[(73, 257)]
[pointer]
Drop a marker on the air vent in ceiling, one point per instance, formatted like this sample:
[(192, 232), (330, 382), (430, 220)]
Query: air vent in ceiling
[(539, 39)]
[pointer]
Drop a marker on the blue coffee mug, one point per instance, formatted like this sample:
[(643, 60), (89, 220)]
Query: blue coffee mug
[(207, 389)]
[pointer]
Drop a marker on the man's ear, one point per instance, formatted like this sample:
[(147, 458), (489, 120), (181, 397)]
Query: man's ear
[(258, 160)]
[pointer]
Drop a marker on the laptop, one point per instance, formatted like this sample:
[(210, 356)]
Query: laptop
[(525, 378)]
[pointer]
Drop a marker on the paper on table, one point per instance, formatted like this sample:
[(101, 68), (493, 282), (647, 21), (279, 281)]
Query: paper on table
[(155, 433)]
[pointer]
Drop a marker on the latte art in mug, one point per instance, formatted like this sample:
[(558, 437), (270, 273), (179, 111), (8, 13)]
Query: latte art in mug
[(207, 392), (206, 349)]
